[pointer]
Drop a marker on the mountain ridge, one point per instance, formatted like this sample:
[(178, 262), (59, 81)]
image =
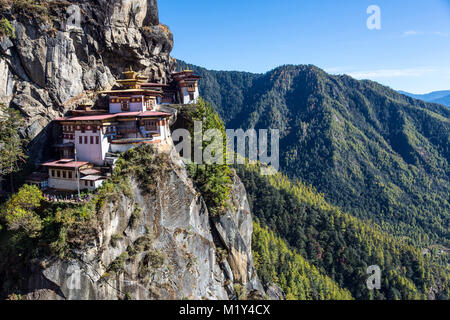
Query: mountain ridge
[(372, 151), (440, 97)]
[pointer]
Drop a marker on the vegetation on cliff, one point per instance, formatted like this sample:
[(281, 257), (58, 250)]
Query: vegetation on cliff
[(12, 144), (36, 228), (6, 29), (212, 180), (19, 211)]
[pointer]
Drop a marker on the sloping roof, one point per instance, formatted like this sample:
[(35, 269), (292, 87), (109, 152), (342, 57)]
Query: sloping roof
[(88, 118), (65, 163), (89, 172), (116, 115), (156, 114), (130, 91), (154, 85), (143, 114), (93, 178)]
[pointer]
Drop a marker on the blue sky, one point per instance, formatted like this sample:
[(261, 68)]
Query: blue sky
[(410, 52)]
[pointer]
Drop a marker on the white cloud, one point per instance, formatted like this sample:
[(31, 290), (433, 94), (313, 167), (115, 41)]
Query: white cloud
[(411, 33), (441, 34), (392, 73)]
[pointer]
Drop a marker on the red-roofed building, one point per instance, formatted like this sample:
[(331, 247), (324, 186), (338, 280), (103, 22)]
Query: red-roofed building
[(187, 86), (94, 137), (63, 174)]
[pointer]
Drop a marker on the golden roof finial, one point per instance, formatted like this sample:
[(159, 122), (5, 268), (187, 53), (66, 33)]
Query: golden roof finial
[(130, 74)]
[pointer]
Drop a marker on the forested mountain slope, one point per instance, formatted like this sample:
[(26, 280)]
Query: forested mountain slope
[(372, 151), (441, 97), (334, 242)]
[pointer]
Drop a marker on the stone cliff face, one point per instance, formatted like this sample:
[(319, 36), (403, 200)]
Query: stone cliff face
[(168, 251), (160, 246), (79, 49)]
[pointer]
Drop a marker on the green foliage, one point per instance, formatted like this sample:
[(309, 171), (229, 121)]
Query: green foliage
[(32, 8), (115, 238), (375, 153), (6, 29), (338, 244), (143, 164), (213, 180), (64, 226), (299, 280), (135, 216), (12, 145), (228, 91), (18, 212), (118, 264), (241, 291)]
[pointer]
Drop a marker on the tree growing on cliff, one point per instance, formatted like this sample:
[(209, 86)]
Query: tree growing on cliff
[(12, 145), (6, 29), (19, 211), (213, 180)]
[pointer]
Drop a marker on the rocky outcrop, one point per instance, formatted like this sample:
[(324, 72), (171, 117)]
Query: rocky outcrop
[(157, 246), (162, 245), (79, 49), (234, 231)]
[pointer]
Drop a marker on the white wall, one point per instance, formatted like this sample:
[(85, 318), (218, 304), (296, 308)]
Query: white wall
[(134, 106), (93, 153), (164, 131), (63, 184), (115, 108), (97, 184), (137, 107), (186, 98)]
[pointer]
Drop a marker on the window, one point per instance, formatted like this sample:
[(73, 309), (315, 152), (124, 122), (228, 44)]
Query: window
[(125, 105), (58, 173), (97, 140), (92, 140), (81, 140), (85, 140), (94, 129), (64, 174), (92, 183), (70, 174), (83, 129), (53, 173)]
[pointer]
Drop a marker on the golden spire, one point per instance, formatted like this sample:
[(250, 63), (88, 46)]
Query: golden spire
[(130, 74)]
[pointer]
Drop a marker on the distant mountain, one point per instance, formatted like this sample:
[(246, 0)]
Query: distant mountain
[(441, 97), (373, 152), (444, 100)]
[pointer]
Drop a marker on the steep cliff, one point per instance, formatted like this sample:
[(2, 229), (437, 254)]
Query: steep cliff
[(154, 241), (64, 52)]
